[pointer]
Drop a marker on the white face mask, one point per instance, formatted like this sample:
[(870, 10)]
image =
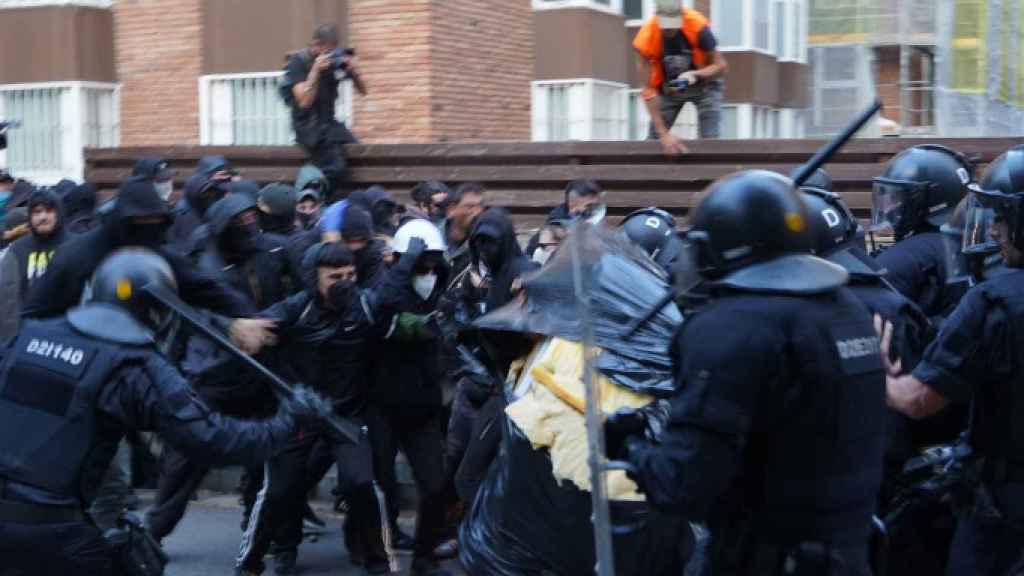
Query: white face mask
[(423, 285), (164, 189), (541, 256)]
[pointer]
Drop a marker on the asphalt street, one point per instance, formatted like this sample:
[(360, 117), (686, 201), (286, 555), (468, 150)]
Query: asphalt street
[(206, 543)]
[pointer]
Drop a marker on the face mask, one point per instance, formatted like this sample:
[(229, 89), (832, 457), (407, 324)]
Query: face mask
[(308, 220), (242, 239), (424, 284), (164, 189), (143, 234), (340, 293), (276, 223), (541, 256)]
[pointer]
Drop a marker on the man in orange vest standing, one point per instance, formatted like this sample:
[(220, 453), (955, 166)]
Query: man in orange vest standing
[(681, 59)]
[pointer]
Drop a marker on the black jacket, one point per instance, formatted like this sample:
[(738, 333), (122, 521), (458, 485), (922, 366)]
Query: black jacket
[(80, 207), (35, 252), (330, 349), (61, 287), (188, 213)]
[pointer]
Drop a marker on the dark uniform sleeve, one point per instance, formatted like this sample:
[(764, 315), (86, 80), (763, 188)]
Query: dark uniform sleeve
[(295, 72), (200, 288), (954, 352), (711, 416), (149, 394)]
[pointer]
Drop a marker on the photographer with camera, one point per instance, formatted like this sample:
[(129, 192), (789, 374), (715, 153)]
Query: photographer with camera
[(680, 58), (310, 89)]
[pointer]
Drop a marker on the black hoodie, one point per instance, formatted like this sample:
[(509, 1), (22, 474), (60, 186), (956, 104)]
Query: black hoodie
[(188, 213), (35, 252), (496, 224), (61, 287), (80, 208)]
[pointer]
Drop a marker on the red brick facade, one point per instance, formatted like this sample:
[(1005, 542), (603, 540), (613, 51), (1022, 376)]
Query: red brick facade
[(457, 70), (158, 54)]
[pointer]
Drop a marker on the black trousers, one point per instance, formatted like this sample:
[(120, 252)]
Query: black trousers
[(180, 477), (417, 433), (279, 505), (991, 548), (324, 146), (54, 550)]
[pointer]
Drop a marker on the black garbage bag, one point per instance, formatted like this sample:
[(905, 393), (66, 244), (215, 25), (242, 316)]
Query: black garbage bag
[(623, 284), (523, 523)]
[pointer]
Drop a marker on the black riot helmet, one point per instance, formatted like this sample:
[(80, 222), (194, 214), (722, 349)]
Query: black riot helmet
[(652, 229), (116, 308), (919, 189), (835, 232), (750, 232), (1000, 195)]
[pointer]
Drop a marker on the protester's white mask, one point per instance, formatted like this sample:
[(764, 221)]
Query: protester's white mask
[(423, 285), (164, 189)]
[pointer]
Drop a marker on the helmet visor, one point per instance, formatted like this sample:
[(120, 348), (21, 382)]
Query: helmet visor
[(890, 200), (978, 228)]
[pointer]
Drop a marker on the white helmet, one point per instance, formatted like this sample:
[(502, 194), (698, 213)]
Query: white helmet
[(418, 228)]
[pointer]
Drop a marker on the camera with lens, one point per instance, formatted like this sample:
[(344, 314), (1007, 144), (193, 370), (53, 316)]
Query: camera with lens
[(338, 56)]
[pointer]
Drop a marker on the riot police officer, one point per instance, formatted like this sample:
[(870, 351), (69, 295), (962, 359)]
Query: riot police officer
[(71, 386), (916, 195), (776, 434), (654, 230), (977, 358)]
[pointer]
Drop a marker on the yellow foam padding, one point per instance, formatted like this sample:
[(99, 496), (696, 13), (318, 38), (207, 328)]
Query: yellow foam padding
[(551, 416)]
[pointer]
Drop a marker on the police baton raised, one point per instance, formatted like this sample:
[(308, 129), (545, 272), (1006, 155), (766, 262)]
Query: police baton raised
[(345, 427), (822, 156)]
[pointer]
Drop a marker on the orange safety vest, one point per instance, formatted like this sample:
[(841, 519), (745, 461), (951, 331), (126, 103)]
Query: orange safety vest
[(650, 45)]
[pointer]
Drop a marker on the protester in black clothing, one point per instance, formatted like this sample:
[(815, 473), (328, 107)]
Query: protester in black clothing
[(405, 399), (463, 207), (207, 184), (80, 209), (310, 89), (310, 187), (258, 267), (326, 330), (35, 251), (157, 170)]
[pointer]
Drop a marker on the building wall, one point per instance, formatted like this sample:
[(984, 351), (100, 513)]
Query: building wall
[(481, 60), (159, 47), (583, 43), (56, 43), (256, 35)]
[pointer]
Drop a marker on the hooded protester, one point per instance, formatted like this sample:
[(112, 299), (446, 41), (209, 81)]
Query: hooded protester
[(310, 186), (207, 184), (138, 218), (375, 200), (15, 226), (35, 251), (405, 399), (257, 266), (358, 235), (327, 330), (157, 170), (80, 209), (497, 259)]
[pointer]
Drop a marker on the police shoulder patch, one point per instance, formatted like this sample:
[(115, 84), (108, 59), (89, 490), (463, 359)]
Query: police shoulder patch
[(857, 346)]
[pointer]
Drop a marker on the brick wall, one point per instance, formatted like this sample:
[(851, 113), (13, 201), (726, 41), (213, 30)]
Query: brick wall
[(482, 66), (158, 53), (457, 70), (392, 39)]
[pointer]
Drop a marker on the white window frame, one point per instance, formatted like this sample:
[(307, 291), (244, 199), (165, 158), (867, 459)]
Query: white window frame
[(648, 12), (37, 3), (208, 93), (613, 6), (581, 109), (794, 9), (72, 161)]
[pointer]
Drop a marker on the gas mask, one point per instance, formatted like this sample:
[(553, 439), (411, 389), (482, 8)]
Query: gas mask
[(423, 285)]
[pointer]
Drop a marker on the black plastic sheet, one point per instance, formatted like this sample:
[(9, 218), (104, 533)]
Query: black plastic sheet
[(623, 285), (524, 523)]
